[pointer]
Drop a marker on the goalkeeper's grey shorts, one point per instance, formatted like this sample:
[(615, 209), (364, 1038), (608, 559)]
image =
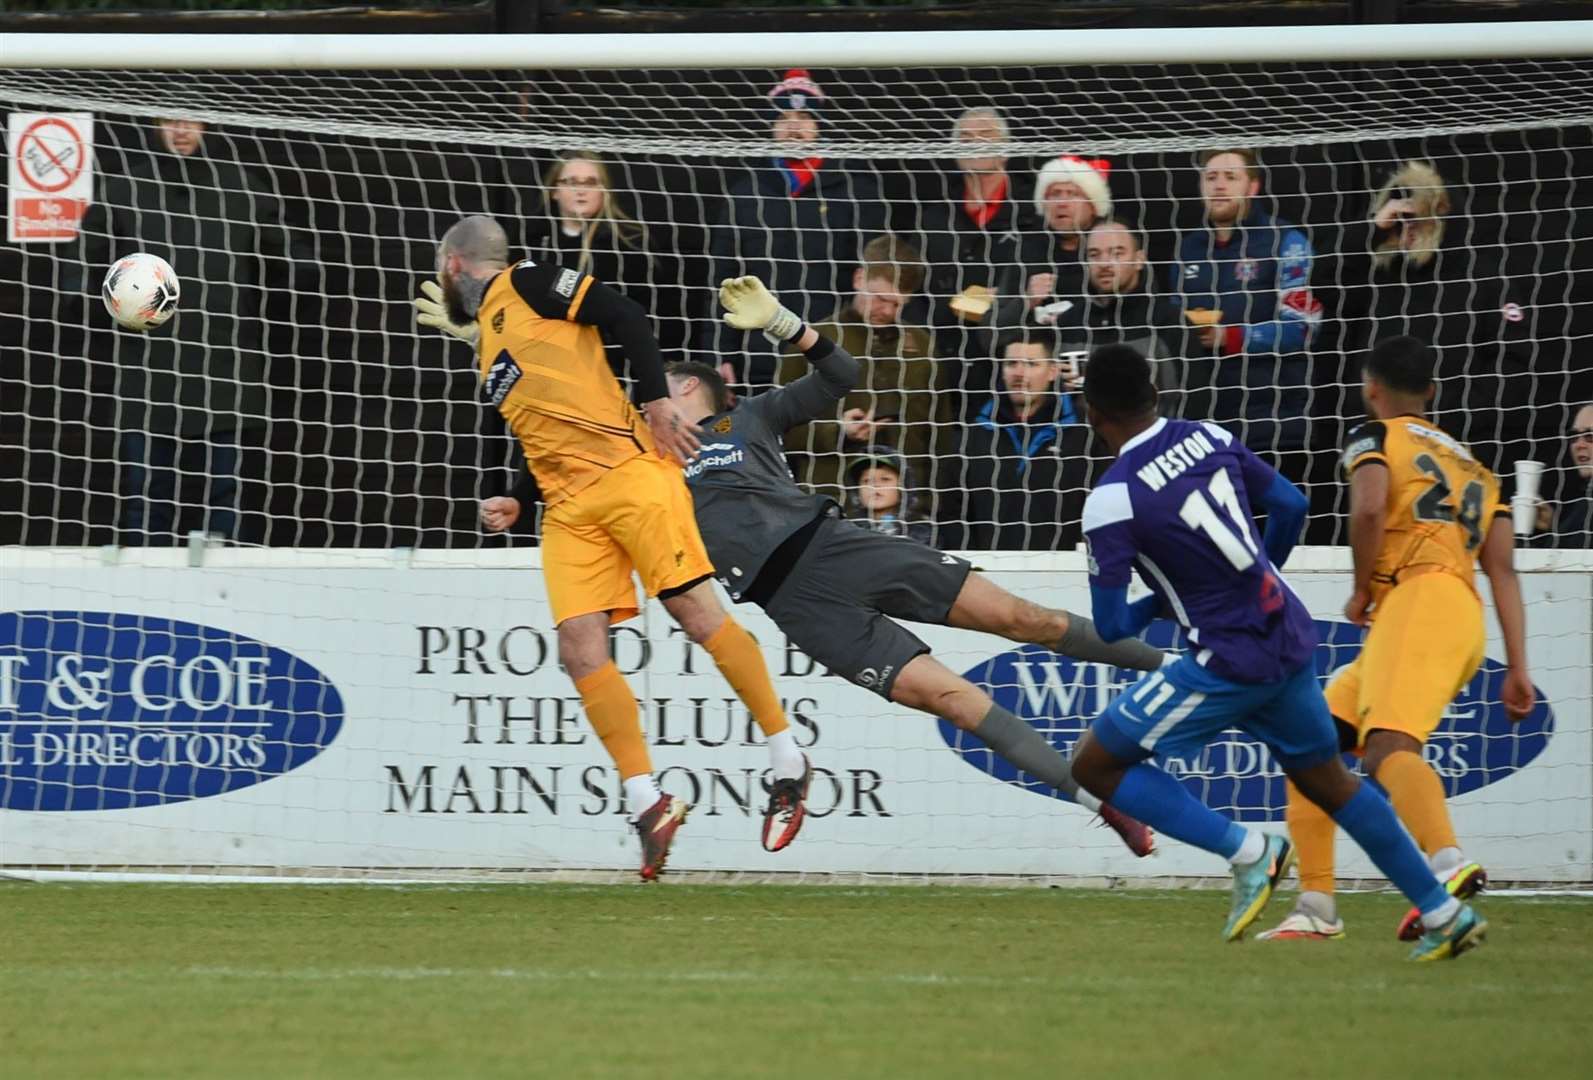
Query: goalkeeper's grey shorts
[(838, 601)]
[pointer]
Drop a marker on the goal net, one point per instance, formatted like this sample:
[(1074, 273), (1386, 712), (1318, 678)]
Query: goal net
[(253, 623)]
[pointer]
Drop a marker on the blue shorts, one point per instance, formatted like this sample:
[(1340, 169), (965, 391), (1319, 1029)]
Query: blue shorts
[(1178, 710)]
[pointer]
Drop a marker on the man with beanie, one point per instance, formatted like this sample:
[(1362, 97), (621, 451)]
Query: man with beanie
[(1070, 194), (796, 220)]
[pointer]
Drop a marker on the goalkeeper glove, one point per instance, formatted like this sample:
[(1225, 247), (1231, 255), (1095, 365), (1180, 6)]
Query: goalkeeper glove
[(749, 305), (432, 310)]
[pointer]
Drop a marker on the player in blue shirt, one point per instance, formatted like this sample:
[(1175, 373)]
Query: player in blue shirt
[(1177, 504)]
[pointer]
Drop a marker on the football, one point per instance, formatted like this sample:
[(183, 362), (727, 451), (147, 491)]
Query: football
[(141, 291)]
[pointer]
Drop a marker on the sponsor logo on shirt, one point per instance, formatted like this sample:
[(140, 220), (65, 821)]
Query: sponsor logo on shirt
[(1245, 270), (1512, 312), (719, 455), (501, 377), (568, 280), (497, 321), (1359, 447)]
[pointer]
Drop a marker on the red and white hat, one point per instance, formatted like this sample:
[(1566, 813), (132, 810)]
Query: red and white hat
[(796, 91), (1089, 175)]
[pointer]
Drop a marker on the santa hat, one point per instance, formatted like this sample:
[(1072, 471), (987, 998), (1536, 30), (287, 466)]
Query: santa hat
[(796, 91), (1089, 175)]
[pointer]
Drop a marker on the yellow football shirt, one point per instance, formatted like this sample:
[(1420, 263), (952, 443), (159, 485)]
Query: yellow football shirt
[(549, 377), (1441, 499)]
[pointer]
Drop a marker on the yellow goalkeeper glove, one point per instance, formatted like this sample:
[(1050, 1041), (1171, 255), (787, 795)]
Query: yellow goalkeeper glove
[(432, 310), (749, 305)]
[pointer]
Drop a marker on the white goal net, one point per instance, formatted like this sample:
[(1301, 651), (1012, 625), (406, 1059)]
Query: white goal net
[(250, 618)]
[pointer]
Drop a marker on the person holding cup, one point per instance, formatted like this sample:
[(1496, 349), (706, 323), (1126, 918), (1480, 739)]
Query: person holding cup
[(1569, 523)]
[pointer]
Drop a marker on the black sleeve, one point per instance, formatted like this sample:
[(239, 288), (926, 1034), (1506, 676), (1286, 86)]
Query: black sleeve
[(1365, 446), (558, 293)]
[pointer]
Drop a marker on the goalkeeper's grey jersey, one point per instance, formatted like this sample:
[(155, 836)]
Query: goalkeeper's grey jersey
[(747, 502)]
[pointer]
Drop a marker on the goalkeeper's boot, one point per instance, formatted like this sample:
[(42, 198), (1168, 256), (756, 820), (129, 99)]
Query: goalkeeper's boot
[(1465, 931), (1253, 885), (787, 808), (657, 828), (1466, 881), (1313, 919), (1135, 834)]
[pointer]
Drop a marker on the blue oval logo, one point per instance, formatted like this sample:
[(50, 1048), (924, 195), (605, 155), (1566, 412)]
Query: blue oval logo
[(1474, 746), (102, 711)]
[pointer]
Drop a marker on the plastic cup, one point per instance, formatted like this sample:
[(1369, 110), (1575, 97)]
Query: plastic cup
[(1524, 504)]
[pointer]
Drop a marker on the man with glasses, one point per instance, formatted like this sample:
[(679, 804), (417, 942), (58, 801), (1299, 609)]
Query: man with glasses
[(1570, 524)]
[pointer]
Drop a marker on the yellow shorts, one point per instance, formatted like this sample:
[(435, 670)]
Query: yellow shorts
[(637, 518), (1425, 644)]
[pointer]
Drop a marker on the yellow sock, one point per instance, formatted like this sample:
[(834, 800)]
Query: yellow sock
[(1312, 831), (612, 711), (1418, 798), (741, 663)]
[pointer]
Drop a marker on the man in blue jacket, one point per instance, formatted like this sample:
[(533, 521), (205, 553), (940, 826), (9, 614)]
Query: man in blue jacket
[(1244, 284)]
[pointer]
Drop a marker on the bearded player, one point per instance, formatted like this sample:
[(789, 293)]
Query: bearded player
[(616, 502), (1423, 511), (836, 589)]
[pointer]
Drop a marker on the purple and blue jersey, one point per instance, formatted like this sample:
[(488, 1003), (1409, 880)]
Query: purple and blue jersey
[(1176, 505)]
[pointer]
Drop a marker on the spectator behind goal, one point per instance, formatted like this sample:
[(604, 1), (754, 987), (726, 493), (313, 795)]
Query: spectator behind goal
[(1486, 303), (895, 402), (1569, 523), (795, 221), (1243, 282), (1071, 194), (1025, 458), (191, 398), (880, 496), (970, 222), (585, 228), (1120, 304)]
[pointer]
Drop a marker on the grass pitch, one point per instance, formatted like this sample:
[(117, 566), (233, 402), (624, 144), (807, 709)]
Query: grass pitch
[(718, 981)]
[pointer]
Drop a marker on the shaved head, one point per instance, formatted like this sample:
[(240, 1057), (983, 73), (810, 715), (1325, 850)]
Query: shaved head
[(470, 255), (479, 242)]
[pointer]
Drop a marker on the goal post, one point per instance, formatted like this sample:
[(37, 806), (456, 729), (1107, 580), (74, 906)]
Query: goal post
[(349, 678)]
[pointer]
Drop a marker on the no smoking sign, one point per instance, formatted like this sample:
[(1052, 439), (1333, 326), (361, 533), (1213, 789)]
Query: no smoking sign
[(50, 175)]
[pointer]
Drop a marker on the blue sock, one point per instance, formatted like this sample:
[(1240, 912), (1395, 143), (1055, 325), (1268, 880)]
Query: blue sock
[(1162, 803), (1370, 821)]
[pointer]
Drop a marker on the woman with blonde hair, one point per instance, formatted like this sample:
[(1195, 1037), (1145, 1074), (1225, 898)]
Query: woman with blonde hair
[(1408, 216), (584, 227), (1442, 264)]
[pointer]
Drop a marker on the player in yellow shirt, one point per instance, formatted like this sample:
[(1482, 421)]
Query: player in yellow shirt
[(615, 502), (1423, 513)]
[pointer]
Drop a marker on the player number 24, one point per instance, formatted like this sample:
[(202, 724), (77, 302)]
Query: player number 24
[(1201, 512), (1434, 504)]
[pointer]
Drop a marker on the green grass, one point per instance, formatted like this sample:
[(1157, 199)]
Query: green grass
[(717, 981)]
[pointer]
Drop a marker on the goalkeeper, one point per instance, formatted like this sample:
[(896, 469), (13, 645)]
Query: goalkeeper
[(835, 589)]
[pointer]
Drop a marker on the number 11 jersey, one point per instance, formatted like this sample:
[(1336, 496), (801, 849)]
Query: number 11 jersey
[(1176, 506), (1441, 499)]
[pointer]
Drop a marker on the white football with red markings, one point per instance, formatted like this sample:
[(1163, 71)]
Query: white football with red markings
[(141, 291)]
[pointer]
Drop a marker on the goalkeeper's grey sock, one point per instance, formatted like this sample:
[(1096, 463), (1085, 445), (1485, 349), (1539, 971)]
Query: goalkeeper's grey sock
[(1082, 642), (1021, 746)]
